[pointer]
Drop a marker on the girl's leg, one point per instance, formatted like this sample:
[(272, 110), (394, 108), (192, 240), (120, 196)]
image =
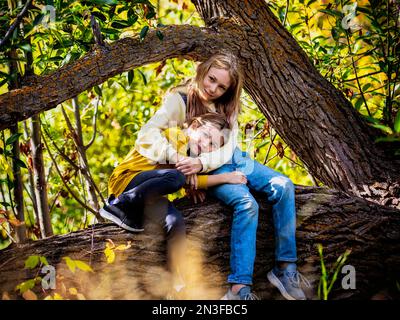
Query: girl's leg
[(159, 213), (127, 209), (244, 226), (279, 190), (150, 184)]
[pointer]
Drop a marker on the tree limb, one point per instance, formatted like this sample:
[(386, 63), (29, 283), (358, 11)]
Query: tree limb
[(101, 64)]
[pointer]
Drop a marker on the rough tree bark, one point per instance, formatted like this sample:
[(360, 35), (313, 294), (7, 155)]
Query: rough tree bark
[(329, 217)]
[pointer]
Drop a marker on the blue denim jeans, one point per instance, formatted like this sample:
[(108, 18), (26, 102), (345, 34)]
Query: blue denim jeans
[(279, 191)]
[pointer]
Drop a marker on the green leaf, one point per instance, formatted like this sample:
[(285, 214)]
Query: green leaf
[(43, 260), (109, 2), (97, 89), (131, 75), (31, 262), (359, 103), (366, 86), (143, 77), (151, 14), (25, 286), (143, 32), (384, 128), (335, 34), (332, 13), (388, 139), (110, 31), (13, 138), (132, 18), (159, 35), (120, 24), (99, 15), (397, 122), (20, 163)]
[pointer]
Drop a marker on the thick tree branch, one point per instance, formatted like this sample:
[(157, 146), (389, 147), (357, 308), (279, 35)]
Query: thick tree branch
[(325, 216), (101, 64)]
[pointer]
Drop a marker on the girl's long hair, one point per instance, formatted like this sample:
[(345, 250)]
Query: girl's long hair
[(229, 103)]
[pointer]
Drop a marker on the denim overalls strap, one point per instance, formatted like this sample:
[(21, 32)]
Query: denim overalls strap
[(184, 97)]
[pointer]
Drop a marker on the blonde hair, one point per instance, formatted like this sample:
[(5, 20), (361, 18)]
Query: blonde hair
[(214, 119), (229, 103), (217, 120)]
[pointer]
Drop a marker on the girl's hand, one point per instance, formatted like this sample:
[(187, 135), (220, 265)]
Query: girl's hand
[(236, 177), (189, 165), (191, 181), (196, 195)]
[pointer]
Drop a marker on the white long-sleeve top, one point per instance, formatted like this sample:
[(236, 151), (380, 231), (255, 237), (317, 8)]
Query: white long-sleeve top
[(152, 144)]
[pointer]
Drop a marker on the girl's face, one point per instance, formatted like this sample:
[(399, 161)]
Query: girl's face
[(205, 138), (215, 84)]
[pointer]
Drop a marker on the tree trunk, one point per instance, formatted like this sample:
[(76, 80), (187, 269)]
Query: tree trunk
[(334, 219), (18, 189), (309, 113), (17, 182), (40, 179)]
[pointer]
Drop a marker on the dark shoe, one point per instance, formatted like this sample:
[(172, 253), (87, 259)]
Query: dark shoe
[(288, 282), (243, 294), (116, 215)]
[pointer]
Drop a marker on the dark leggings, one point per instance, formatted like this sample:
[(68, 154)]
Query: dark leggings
[(145, 196)]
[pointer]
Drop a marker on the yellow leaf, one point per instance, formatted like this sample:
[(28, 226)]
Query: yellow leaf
[(57, 297), (122, 247), (29, 295), (6, 166), (111, 244), (83, 266), (70, 263), (110, 255), (49, 297), (73, 291)]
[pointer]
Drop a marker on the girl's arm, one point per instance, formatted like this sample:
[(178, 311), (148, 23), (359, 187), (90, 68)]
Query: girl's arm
[(151, 143), (214, 160), (208, 181)]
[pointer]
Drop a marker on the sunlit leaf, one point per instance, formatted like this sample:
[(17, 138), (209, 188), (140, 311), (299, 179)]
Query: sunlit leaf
[(70, 263), (83, 266), (32, 262)]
